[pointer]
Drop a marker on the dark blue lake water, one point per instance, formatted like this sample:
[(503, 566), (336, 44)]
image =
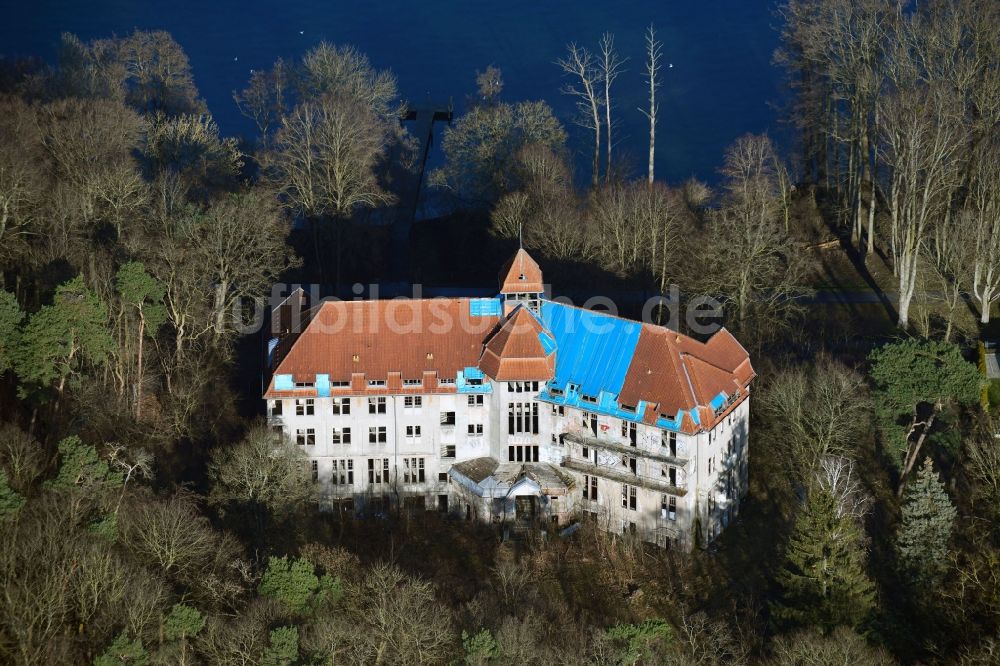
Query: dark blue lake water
[(721, 84)]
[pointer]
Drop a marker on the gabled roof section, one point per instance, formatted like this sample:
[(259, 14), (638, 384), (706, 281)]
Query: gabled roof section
[(656, 374), (677, 374), (519, 350), (521, 275), (375, 338)]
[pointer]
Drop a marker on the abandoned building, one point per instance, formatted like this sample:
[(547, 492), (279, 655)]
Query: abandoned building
[(514, 409)]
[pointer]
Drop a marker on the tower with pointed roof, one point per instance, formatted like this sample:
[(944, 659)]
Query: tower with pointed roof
[(521, 282)]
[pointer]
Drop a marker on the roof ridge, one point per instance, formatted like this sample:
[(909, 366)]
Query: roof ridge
[(678, 359), (714, 365)]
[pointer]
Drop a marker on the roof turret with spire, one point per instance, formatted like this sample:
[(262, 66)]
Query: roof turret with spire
[(521, 281)]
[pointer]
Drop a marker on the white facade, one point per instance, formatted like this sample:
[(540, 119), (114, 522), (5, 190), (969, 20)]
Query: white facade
[(367, 451)]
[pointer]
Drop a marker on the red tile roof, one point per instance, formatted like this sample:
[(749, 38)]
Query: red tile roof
[(674, 372), (521, 275), (515, 353), (346, 339)]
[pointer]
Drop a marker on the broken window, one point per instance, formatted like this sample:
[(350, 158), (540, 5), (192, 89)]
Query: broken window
[(376, 405), (629, 497), (306, 407), (413, 470), (378, 470), (343, 472), (670, 441), (522, 417), (668, 507), (523, 453)]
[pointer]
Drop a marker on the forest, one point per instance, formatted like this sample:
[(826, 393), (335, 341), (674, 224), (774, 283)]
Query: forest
[(146, 517)]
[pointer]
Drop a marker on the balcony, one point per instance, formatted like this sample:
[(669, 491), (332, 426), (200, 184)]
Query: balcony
[(616, 447), (624, 476)]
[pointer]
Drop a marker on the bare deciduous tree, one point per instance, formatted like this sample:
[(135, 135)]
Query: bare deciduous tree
[(489, 85), (922, 133), (654, 51), (611, 65), (755, 267), (580, 64), (823, 411), (950, 254), (837, 476), (980, 223), (264, 100), (324, 160)]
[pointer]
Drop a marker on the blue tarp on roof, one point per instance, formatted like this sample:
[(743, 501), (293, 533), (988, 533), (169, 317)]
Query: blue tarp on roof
[(548, 344), (470, 380), (485, 307), (595, 349)]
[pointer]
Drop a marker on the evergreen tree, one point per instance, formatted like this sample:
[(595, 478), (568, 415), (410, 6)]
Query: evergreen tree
[(284, 647), (480, 648), (915, 381), (926, 527), (143, 312), (823, 579), (81, 466), (124, 651), (183, 622), (61, 337), (10, 501), (10, 324), (295, 583)]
